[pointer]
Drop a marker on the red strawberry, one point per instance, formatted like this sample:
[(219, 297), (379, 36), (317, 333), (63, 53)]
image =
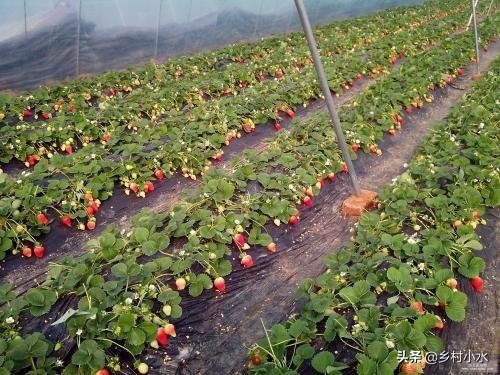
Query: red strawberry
[(475, 215), (485, 48), (439, 323), (90, 211), (150, 187), (277, 127), (102, 371), (459, 72), (106, 137), (477, 284), (91, 225), (69, 149), (161, 337), (355, 147), (27, 252), (293, 220), (220, 284), (170, 329), (39, 251), (31, 160), (94, 207), (279, 74), (134, 187), (218, 156), (392, 132), (441, 305), (66, 221), (248, 128), (408, 110), (393, 61), (408, 368), (45, 115), (247, 261), (88, 197), (417, 306), (401, 54), (290, 113), (308, 201), (71, 108), (271, 247), (159, 174), (255, 359), (344, 168), (239, 239), (42, 219), (331, 176), (373, 149), (26, 113)]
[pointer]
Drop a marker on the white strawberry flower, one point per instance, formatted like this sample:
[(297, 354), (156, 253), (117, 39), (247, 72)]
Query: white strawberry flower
[(79, 332), (9, 320), (389, 343), (128, 301)]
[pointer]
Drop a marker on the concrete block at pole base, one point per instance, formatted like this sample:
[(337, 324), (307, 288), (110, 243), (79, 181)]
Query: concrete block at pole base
[(356, 205), (476, 77)]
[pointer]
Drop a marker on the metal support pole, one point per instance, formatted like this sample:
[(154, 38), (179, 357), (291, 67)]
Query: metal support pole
[(304, 19), (78, 27), (25, 22), (470, 19), (475, 35), (158, 29), (489, 8)]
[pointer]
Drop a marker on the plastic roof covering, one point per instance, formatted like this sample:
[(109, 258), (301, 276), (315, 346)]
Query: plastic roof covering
[(47, 40)]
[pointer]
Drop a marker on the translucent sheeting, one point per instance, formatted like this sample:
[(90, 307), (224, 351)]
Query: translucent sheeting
[(48, 40)]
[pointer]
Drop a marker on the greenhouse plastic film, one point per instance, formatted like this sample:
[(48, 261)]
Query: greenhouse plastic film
[(49, 40)]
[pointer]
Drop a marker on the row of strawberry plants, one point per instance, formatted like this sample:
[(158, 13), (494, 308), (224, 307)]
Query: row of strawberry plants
[(71, 193), (43, 100), (31, 141), (139, 296), (392, 288)]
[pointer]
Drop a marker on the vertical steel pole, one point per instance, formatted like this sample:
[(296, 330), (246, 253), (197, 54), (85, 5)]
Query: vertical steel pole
[(79, 16), (475, 34), (25, 22), (158, 29), (470, 19), (304, 19), (489, 8)]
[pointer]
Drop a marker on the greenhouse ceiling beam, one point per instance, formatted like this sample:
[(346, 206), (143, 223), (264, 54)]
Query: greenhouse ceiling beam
[(304, 19)]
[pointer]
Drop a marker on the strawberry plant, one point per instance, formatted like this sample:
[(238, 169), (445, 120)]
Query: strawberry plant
[(381, 293)]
